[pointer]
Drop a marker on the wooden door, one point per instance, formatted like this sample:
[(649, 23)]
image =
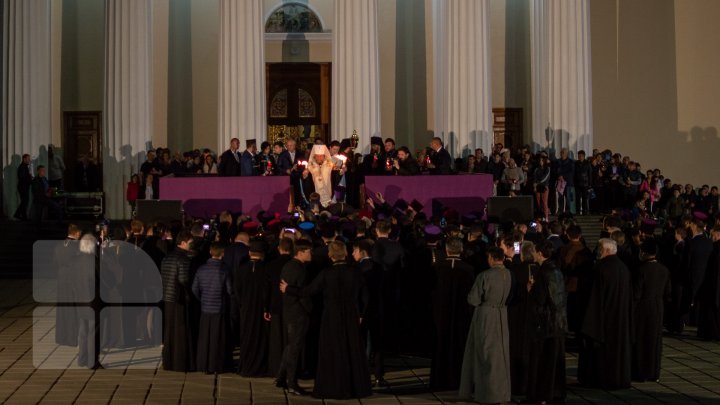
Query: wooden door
[(508, 127), (298, 100), (82, 136)]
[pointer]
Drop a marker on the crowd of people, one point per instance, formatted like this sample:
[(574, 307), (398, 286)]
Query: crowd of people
[(329, 293), (495, 307)]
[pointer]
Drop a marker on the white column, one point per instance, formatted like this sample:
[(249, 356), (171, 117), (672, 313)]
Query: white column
[(561, 81), (27, 89), (355, 76), (461, 44), (128, 97), (241, 104)]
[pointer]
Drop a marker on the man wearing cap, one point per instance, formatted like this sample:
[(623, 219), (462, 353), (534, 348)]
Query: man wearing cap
[(440, 159), (250, 285), (230, 160), (374, 163), (247, 161)]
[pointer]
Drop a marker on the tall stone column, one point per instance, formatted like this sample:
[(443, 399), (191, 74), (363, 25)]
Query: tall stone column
[(128, 97), (241, 104), (461, 44), (561, 81), (27, 89), (355, 76)]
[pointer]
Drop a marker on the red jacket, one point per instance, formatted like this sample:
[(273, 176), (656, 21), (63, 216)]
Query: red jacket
[(132, 191)]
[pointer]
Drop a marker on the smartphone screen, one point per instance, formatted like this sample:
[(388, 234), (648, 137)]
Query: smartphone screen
[(516, 246)]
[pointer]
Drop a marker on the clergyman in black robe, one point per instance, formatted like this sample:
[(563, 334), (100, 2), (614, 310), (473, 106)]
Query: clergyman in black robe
[(709, 295), (277, 332), (342, 365), (605, 355), (651, 289), (372, 328), (250, 288), (452, 315)]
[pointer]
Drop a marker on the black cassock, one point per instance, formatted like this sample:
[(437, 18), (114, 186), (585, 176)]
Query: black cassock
[(416, 323), (452, 315), (605, 356), (517, 312), (342, 371), (274, 298), (651, 289), (709, 299), (250, 287)]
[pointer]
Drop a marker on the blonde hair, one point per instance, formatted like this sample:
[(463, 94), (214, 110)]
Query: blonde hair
[(337, 251)]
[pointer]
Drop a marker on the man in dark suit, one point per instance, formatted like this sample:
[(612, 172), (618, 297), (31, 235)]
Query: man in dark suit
[(288, 158), (390, 255), (696, 257), (230, 160), (440, 159), (296, 317), (23, 187), (247, 161)]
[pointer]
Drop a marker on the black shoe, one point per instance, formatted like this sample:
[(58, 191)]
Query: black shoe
[(281, 383), (381, 383), (296, 390)]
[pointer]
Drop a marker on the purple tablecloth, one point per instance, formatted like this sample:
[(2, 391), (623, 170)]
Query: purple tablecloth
[(465, 193), (256, 194)]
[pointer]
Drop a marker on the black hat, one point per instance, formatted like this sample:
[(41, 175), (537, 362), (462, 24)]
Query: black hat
[(345, 143), (376, 140), (401, 204), (250, 142)]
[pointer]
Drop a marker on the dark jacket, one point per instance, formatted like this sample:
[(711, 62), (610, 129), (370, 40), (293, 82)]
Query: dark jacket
[(175, 271), (212, 287), (294, 274), (696, 257), (442, 161), (285, 162), (566, 168), (247, 165), (24, 176), (408, 167), (548, 303), (40, 188), (583, 174), (229, 166)]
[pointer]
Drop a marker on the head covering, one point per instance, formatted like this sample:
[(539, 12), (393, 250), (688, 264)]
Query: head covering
[(258, 246), (319, 150), (306, 226), (700, 215), (344, 144), (376, 140), (648, 226), (401, 204), (251, 227), (433, 233)]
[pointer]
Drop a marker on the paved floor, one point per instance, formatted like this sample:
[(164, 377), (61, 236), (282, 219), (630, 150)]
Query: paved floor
[(691, 373)]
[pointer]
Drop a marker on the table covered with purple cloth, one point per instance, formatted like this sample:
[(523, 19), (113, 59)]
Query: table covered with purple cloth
[(205, 196), (466, 193)]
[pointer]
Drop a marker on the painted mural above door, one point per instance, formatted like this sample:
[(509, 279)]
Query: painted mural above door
[(293, 18)]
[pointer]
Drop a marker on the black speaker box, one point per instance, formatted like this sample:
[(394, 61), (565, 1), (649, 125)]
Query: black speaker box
[(516, 209), (150, 211)]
